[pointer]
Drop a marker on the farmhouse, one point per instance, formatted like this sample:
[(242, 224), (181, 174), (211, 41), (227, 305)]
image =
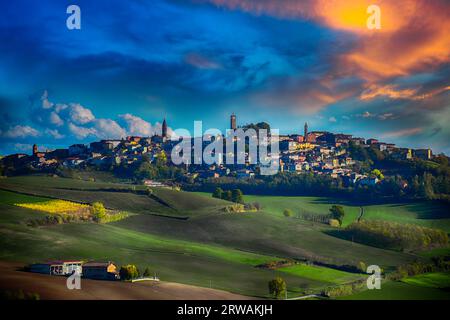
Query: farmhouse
[(58, 267), (100, 270)]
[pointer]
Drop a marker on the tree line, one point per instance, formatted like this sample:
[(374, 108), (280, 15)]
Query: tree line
[(393, 235)]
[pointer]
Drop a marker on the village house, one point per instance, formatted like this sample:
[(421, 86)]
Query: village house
[(57, 267), (100, 270)]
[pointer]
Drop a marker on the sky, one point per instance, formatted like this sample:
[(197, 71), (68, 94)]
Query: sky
[(287, 62)]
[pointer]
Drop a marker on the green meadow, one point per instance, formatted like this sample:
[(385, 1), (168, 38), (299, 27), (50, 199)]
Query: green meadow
[(423, 213), (430, 286)]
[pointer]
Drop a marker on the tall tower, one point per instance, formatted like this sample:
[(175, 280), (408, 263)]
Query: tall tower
[(164, 128), (35, 149), (233, 122), (305, 137)]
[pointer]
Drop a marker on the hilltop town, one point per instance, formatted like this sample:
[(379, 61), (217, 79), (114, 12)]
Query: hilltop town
[(316, 152)]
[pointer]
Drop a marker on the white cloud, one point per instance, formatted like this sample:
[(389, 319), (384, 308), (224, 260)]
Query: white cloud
[(19, 131), (61, 120), (80, 114), (46, 104), (81, 132), (137, 126), (332, 119), (56, 119), (54, 133), (109, 129)]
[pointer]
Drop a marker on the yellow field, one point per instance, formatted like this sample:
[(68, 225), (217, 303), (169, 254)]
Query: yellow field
[(54, 206)]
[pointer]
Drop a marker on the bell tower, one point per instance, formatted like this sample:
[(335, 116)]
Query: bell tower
[(305, 137)]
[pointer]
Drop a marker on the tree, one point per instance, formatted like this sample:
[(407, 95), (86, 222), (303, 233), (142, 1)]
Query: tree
[(145, 171), (218, 193), (288, 213), (227, 195), (277, 287), (237, 196), (337, 212), (147, 272), (161, 159), (98, 211), (129, 272), (377, 173)]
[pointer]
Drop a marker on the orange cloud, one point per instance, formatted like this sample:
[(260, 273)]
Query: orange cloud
[(392, 92)]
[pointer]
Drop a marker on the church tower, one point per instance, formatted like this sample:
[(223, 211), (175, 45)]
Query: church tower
[(305, 137), (233, 122), (164, 128), (35, 149)]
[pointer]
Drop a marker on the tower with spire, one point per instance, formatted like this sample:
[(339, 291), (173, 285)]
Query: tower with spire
[(233, 122), (164, 128), (305, 137)]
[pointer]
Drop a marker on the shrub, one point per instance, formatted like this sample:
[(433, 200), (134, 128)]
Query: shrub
[(362, 266), (147, 272), (237, 196), (98, 211), (334, 223), (113, 217), (288, 213), (129, 272), (218, 193), (277, 288), (337, 212)]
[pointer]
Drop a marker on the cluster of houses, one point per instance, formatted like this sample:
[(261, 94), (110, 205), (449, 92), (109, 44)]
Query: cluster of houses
[(88, 270), (327, 153), (320, 152)]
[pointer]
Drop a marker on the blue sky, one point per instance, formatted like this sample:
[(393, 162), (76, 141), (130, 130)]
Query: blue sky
[(285, 62)]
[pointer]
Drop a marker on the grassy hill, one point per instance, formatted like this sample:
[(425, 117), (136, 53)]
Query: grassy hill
[(423, 213), (206, 247), (125, 197)]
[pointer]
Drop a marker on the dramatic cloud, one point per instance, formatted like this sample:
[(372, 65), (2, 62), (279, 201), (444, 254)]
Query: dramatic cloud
[(413, 36)]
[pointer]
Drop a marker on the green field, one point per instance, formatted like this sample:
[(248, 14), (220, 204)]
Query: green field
[(207, 246), (439, 280), (423, 213), (431, 286), (328, 275)]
